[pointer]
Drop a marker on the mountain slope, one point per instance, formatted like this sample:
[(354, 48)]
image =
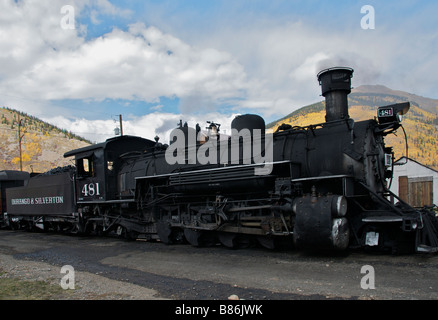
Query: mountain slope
[(420, 123), (43, 145), (427, 104)]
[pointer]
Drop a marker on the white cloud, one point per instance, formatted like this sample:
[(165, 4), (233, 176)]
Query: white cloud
[(147, 126), (262, 66), (49, 63), (282, 60), (44, 62)]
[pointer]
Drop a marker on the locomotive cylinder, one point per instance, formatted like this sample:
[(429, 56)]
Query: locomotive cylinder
[(336, 85)]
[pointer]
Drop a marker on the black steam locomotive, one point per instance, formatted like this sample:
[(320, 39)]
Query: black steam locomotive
[(322, 186)]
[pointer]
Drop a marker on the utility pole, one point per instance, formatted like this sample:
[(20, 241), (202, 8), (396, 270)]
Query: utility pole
[(20, 137), (121, 127)]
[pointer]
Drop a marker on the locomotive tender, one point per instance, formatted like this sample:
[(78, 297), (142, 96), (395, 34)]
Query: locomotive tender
[(320, 187)]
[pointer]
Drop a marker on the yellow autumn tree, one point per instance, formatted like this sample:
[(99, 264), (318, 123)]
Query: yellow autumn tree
[(31, 149)]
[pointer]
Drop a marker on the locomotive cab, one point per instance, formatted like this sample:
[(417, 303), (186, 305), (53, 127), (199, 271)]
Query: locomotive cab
[(97, 166)]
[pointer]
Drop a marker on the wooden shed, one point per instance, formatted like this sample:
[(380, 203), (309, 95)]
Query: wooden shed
[(415, 183)]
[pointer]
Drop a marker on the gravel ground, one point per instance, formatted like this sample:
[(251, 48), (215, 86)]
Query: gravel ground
[(111, 269), (88, 286)]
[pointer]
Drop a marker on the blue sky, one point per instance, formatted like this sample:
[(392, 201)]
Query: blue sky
[(155, 62)]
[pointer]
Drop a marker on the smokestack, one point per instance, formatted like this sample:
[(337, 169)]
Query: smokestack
[(336, 85)]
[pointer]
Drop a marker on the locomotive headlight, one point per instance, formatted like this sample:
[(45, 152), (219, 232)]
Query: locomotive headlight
[(393, 112)]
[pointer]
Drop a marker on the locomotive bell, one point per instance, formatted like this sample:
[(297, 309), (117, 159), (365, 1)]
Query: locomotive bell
[(336, 85)]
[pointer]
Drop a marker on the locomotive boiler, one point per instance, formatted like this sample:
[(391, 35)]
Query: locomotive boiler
[(318, 187)]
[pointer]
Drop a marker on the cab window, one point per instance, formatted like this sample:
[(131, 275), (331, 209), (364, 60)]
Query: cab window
[(85, 167)]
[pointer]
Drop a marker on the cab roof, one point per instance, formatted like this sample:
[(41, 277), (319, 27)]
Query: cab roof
[(113, 144)]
